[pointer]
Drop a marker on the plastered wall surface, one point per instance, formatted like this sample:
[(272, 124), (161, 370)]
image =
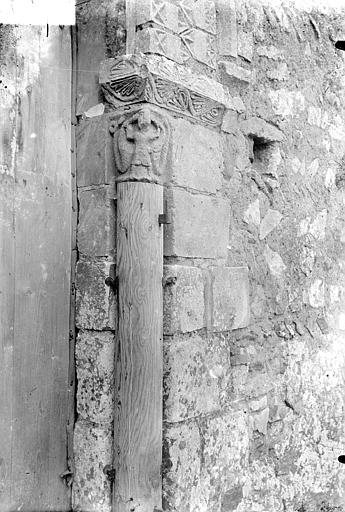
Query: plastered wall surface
[(254, 286)]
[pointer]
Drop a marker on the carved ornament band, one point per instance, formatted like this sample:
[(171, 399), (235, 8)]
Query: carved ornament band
[(148, 78)]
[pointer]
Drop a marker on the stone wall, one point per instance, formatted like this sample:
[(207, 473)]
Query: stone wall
[(254, 279)]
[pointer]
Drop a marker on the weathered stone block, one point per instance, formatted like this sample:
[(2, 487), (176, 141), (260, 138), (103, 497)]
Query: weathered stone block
[(225, 457), (183, 306), (201, 45), (206, 465), (93, 450), (95, 301), (233, 71), (230, 122), (195, 371), (157, 40), (228, 298), (197, 160), (95, 376), (96, 227), (181, 466), (261, 130), (269, 223), (227, 28), (158, 11), (275, 263), (95, 160), (236, 153), (245, 45), (200, 226)]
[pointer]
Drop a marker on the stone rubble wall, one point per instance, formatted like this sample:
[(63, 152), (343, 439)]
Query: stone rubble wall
[(254, 283)]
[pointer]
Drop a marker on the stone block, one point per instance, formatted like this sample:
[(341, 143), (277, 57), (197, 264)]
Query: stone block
[(252, 213), (96, 226), (181, 465), (279, 72), (270, 221), (275, 263), (259, 420), (317, 293), (200, 45), (205, 464), (95, 160), (233, 71), (93, 450), (261, 130), (227, 28), (183, 304), (225, 456), (161, 12), (204, 14), (230, 122), (158, 41), (287, 103), (190, 386), (197, 160), (200, 225), (245, 43), (228, 298), (95, 301), (95, 376), (236, 154)]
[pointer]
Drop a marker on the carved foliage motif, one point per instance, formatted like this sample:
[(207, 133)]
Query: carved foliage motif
[(141, 145), (127, 86)]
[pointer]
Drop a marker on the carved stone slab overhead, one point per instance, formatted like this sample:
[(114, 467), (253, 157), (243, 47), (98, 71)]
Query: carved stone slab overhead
[(154, 79)]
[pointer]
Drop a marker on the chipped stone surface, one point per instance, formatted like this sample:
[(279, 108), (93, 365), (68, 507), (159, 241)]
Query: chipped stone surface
[(92, 451), (183, 299), (209, 463), (192, 372), (181, 469), (95, 376)]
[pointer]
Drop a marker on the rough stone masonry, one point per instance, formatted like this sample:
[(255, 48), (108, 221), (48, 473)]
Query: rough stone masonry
[(254, 273)]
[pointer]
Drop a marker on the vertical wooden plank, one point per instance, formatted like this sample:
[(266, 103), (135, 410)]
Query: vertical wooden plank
[(42, 223), (139, 374), (7, 255), (8, 108)]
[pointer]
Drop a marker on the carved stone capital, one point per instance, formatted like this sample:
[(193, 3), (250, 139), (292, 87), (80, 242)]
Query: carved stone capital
[(142, 78), (141, 144)]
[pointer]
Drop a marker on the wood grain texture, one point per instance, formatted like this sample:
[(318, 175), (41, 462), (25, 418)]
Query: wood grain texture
[(35, 257), (139, 373)]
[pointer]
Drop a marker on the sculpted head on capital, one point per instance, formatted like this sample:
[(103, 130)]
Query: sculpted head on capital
[(140, 145)]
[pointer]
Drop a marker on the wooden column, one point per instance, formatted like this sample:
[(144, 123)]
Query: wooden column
[(140, 147)]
